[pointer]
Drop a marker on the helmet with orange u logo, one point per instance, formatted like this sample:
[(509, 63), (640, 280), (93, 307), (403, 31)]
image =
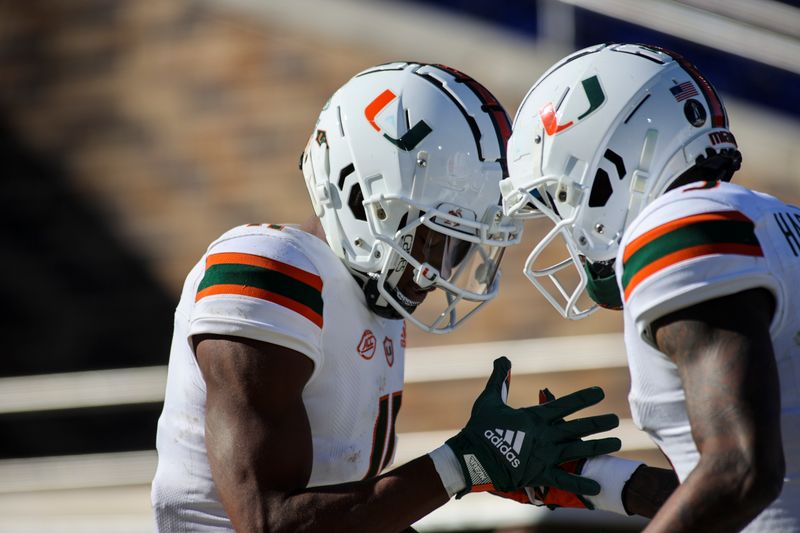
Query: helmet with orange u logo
[(598, 137), (403, 169)]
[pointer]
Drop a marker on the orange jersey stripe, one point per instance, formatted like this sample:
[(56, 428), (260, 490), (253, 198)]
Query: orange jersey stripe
[(299, 274), (658, 231), (255, 292), (689, 253)]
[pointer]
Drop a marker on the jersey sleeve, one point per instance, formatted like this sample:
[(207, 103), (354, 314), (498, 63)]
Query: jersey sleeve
[(681, 253), (261, 286)]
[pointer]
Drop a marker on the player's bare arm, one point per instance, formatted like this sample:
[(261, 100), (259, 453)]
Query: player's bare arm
[(259, 446), (647, 490), (724, 355)]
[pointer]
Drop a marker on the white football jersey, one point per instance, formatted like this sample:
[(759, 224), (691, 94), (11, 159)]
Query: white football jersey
[(279, 285), (696, 243)]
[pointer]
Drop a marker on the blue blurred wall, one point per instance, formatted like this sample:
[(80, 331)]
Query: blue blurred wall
[(731, 74)]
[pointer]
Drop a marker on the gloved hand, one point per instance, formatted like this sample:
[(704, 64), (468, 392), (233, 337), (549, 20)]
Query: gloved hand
[(551, 497), (554, 497), (611, 472), (504, 449)]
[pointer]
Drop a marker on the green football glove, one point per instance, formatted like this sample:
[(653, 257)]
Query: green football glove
[(502, 449)]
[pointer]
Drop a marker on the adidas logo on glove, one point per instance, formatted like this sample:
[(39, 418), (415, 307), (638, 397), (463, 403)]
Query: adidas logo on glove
[(508, 442)]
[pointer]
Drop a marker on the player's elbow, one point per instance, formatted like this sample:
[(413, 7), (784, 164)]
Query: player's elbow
[(760, 479)]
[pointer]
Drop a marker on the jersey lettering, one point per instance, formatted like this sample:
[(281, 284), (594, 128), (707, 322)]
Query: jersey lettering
[(789, 224), (383, 447)]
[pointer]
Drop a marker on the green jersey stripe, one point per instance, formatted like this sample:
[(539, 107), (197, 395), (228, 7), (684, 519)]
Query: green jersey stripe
[(263, 278), (709, 232)]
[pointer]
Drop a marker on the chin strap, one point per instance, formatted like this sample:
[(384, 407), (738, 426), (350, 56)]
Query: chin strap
[(376, 302)]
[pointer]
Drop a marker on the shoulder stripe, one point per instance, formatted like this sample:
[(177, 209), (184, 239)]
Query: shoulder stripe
[(726, 232), (658, 231), (256, 260), (683, 255), (255, 292), (264, 278)]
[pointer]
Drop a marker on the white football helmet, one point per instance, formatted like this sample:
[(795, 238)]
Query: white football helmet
[(599, 136), (403, 169)]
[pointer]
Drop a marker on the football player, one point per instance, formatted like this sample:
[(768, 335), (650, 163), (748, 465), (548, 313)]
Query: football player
[(626, 149), (286, 371)]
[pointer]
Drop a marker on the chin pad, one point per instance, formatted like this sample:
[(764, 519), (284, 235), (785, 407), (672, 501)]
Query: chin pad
[(378, 304), (602, 286)]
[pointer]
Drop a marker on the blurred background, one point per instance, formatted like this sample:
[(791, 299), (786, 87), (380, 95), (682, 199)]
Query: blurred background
[(132, 134)]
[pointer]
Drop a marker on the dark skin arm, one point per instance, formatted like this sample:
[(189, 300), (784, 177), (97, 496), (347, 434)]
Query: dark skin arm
[(648, 489), (259, 446), (724, 355)]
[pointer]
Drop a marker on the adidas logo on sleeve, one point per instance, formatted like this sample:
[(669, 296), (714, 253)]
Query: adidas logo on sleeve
[(508, 441)]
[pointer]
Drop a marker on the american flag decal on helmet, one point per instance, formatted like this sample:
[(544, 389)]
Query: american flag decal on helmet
[(683, 91), (719, 118)]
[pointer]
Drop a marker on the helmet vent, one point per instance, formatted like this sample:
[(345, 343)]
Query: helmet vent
[(643, 51), (356, 203), (346, 171), (635, 109), (601, 189), (617, 161), (339, 120), (473, 124)]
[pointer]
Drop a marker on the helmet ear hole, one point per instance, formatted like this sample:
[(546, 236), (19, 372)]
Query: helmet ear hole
[(356, 202), (601, 189)]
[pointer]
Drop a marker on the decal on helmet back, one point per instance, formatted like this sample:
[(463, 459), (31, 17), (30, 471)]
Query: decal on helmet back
[(722, 137), (719, 118)]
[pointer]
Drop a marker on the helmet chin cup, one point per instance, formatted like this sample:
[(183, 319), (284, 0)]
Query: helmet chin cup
[(379, 304), (603, 289)]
